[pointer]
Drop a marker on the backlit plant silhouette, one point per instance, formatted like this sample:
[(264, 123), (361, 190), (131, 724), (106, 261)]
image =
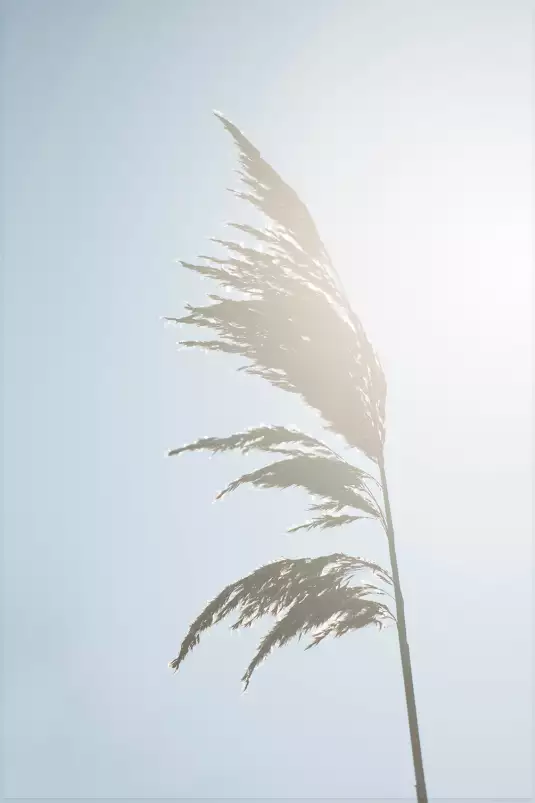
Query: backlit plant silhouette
[(285, 311)]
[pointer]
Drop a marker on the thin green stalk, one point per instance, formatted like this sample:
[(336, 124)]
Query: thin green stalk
[(421, 791)]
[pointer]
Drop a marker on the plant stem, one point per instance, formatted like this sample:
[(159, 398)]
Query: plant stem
[(421, 792)]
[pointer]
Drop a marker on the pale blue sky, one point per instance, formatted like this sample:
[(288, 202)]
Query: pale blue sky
[(406, 127)]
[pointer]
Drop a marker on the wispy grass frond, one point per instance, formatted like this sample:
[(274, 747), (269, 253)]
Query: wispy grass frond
[(291, 321), (337, 483), (282, 440), (308, 463), (307, 594), (326, 522), (339, 610)]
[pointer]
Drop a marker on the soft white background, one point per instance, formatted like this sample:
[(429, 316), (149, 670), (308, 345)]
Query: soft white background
[(406, 127)]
